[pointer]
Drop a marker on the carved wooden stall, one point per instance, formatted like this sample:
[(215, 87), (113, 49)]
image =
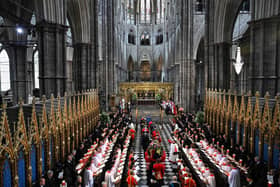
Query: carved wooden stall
[(253, 122), (30, 147)]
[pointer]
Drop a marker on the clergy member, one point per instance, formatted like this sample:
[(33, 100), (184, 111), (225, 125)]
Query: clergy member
[(173, 153), (234, 177)]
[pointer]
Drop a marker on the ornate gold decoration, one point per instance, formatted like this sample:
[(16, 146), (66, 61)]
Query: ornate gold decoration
[(257, 113), (235, 108), (266, 118), (275, 128), (140, 87), (248, 116), (53, 126), (223, 112)]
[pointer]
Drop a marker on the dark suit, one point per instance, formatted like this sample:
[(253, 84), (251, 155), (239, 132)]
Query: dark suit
[(259, 175), (69, 173), (51, 182)]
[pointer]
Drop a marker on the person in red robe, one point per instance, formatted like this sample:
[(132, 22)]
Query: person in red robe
[(131, 181), (145, 130), (159, 171), (174, 110), (150, 124), (189, 182), (132, 134)]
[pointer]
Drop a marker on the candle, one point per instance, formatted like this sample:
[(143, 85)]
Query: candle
[(240, 161), (233, 156)]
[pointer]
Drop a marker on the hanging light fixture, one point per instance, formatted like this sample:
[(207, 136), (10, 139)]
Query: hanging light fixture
[(238, 64)]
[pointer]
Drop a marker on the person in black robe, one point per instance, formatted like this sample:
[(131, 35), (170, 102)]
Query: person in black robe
[(258, 172), (145, 141), (80, 152), (69, 172)]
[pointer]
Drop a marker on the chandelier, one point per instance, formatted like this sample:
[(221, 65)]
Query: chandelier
[(238, 64)]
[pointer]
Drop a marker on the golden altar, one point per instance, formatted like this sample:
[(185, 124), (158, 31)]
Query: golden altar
[(146, 92)]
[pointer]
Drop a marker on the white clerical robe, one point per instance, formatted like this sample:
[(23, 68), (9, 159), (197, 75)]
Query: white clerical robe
[(88, 178), (98, 157), (110, 179), (93, 167), (173, 149), (234, 178), (211, 182)]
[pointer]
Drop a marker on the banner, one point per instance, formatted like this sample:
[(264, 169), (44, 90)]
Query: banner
[(33, 163), (21, 169), (7, 177), (43, 156)]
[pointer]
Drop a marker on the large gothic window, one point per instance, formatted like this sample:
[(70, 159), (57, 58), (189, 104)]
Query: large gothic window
[(159, 37), (145, 38), (131, 37), (130, 12), (145, 11), (199, 6), (4, 70), (68, 34), (160, 11)]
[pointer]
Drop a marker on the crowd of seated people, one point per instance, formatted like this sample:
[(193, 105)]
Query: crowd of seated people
[(218, 152), (101, 152)]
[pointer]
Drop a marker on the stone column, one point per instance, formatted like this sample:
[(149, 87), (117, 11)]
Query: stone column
[(94, 42), (264, 69), (223, 63), (187, 69), (52, 58), (19, 72), (82, 66)]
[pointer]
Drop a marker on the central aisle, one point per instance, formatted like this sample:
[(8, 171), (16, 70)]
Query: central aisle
[(154, 113)]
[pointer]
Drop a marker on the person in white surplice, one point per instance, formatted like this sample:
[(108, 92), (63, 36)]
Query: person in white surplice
[(211, 182), (88, 177), (234, 178), (173, 152)]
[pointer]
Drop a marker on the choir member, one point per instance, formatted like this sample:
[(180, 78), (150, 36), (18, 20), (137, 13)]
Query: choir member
[(88, 177), (234, 177), (173, 153), (210, 180)]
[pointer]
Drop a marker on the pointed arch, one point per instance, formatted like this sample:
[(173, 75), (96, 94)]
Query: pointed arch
[(36, 69), (5, 70)]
